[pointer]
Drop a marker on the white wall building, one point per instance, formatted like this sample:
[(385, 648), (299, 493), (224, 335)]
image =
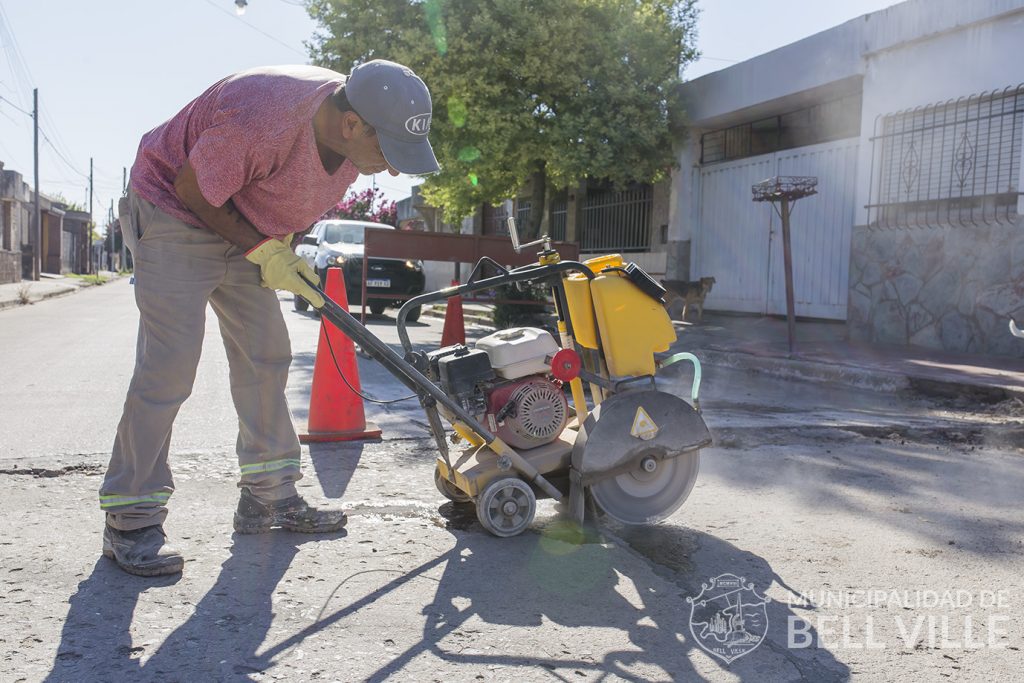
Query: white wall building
[(912, 119)]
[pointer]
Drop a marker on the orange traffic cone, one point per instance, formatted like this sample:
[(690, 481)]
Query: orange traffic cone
[(335, 410), (454, 326)]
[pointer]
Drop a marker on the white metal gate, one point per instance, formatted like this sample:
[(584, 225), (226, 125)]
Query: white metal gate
[(739, 242)]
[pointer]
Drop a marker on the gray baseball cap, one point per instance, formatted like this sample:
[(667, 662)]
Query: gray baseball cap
[(396, 102)]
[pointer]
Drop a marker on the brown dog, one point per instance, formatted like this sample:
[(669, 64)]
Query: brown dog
[(692, 292)]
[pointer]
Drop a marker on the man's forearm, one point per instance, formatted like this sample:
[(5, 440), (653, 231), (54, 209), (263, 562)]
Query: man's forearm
[(224, 220), (231, 225)]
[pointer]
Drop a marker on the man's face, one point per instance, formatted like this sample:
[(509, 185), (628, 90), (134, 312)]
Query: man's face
[(365, 154)]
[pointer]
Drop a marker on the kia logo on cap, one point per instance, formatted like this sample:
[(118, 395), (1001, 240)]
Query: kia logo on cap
[(418, 125)]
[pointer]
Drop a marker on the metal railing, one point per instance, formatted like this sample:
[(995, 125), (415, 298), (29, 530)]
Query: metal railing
[(559, 218), (523, 210), (495, 221), (950, 163), (611, 221), (556, 218), (617, 221)]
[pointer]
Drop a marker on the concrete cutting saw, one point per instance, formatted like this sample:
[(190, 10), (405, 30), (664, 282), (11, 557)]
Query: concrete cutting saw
[(573, 415)]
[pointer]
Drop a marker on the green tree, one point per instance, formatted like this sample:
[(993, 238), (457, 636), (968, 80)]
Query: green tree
[(71, 206), (541, 91)]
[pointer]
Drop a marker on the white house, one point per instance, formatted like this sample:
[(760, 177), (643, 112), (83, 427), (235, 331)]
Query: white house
[(912, 120)]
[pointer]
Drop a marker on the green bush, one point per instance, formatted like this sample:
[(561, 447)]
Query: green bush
[(519, 315)]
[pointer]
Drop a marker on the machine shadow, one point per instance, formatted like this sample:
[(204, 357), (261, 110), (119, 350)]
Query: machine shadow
[(549, 576), (97, 629)]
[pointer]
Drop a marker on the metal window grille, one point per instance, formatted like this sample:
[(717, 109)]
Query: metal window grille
[(822, 122), (949, 163), (495, 220), (619, 221), (559, 216), (523, 212)]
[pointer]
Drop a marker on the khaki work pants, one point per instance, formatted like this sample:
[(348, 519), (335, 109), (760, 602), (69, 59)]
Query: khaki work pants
[(178, 270)]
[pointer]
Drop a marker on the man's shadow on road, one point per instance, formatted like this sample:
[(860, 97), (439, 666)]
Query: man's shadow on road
[(97, 631), (218, 641)]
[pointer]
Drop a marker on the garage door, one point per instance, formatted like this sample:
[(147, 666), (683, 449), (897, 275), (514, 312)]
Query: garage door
[(739, 242)]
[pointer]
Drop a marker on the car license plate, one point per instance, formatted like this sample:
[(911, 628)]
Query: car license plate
[(382, 282)]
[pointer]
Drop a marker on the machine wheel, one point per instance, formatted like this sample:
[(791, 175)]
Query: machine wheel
[(301, 304), (448, 489), (506, 507), (414, 314), (377, 308)]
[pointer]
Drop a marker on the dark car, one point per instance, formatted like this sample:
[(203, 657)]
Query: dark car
[(339, 244)]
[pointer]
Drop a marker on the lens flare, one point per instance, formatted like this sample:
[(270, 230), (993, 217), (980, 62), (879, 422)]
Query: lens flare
[(457, 112), (473, 180), (432, 11), (469, 154), (567, 562)]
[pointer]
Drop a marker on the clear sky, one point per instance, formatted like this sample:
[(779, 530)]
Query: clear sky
[(108, 71)]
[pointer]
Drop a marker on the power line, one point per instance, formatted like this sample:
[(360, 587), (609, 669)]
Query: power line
[(55, 129), (47, 139), (4, 99), (18, 68), (254, 28), (59, 169), (62, 157), (23, 74)]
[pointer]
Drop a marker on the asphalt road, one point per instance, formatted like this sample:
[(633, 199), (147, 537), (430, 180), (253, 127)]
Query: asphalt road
[(885, 531)]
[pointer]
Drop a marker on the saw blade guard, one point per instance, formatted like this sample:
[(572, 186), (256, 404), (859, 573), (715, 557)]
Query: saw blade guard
[(638, 452)]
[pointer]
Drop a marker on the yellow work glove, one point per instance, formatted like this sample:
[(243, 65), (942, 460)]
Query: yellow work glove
[(281, 269)]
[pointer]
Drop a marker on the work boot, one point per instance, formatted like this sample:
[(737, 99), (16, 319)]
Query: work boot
[(143, 552), (255, 516)]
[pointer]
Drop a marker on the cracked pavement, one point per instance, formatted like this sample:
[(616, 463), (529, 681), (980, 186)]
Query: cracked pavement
[(839, 505)]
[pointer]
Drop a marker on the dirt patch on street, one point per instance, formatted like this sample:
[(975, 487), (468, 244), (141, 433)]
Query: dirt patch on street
[(88, 470)]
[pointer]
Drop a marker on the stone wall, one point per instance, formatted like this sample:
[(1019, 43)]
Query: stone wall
[(678, 267), (10, 266), (948, 288)]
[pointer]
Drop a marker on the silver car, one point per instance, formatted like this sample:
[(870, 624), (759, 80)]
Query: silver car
[(339, 244)]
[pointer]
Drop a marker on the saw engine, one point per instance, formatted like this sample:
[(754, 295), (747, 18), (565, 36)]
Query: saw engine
[(505, 383)]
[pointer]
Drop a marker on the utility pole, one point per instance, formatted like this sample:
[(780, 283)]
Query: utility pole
[(91, 222), (786, 190), (124, 191), (38, 265), (110, 235)]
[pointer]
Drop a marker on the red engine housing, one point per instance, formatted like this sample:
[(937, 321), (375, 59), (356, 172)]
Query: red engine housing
[(528, 412)]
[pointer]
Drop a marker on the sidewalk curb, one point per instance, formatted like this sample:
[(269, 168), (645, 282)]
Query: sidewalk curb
[(36, 298), (853, 376), (813, 371), (468, 316)]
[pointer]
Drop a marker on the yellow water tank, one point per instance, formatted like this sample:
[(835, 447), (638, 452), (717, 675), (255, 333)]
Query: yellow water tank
[(633, 325), (581, 303)]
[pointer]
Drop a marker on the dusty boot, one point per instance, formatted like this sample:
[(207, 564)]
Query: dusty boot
[(143, 552), (255, 516)]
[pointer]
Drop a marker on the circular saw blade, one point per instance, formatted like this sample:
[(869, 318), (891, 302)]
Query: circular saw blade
[(641, 497)]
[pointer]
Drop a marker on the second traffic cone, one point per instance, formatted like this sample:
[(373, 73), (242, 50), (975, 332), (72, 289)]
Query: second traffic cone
[(336, 411), (454, 326)]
